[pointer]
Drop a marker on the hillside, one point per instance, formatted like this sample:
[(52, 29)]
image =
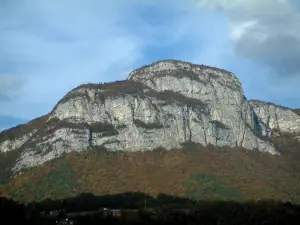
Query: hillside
[(195, 172), (163, 104), (128, 136)]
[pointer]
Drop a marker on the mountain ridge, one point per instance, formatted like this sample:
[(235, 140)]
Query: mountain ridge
[(163, 104), (172, 127)]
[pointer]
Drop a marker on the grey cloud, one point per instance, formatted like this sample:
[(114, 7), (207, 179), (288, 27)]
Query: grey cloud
[(274, 37), (280, 52)]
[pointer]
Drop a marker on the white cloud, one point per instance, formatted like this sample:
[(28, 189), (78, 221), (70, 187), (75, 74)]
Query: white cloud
[(239, 29)]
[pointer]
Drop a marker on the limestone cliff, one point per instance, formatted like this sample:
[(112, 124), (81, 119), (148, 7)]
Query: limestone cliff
[(163, 104), (274, 119)]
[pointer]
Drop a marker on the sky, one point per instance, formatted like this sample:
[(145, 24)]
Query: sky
[(48, 47)]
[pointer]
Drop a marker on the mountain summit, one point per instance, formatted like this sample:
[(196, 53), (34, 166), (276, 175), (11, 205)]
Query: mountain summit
[(164, 104)]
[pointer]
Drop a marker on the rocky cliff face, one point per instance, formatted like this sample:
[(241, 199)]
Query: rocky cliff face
[(163, 104), (273, 119)]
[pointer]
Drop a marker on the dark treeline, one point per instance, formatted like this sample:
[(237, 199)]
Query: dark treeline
[(164, 210)]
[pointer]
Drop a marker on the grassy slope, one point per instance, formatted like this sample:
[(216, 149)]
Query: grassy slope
[(194, 172)]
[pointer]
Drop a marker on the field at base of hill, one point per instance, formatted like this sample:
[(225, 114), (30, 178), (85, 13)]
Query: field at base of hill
[(194, 172)]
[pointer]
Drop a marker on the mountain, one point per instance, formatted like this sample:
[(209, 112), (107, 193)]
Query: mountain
[(168, 104)]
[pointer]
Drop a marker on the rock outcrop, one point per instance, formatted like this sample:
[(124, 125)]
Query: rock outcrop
[(163, 104), (273, 118)]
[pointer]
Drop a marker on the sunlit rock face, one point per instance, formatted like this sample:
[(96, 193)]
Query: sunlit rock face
[(163, 104), (273, 117)]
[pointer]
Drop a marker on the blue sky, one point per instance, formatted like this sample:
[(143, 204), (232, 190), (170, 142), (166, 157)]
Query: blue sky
[(48, 47)]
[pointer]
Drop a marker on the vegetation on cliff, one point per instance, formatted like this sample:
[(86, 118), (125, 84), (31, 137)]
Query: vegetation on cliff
[(195, 171)]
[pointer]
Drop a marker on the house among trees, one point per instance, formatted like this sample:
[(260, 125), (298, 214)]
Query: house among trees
[(116, 212), (111, 212)]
